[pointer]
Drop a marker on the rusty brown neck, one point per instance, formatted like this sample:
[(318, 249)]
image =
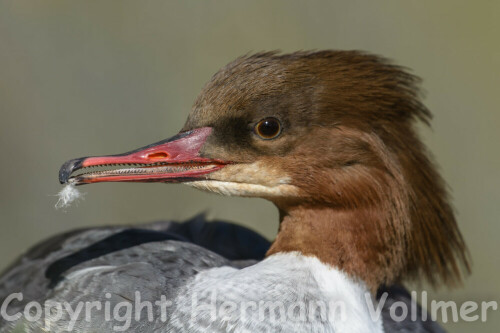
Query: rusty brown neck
[(346, 239)]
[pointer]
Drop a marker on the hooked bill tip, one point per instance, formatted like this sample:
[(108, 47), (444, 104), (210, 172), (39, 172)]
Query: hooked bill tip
[(68, 167)]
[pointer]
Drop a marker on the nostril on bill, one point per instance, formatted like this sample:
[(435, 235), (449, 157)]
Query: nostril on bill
[(157, 156)]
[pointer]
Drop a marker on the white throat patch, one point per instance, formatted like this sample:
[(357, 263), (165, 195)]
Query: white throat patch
[(243, 189)]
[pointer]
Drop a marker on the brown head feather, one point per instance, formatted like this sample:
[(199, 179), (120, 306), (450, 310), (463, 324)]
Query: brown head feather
[(370, 200)]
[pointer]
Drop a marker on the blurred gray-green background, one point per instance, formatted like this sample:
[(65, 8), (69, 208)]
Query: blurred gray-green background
[(97, 77)]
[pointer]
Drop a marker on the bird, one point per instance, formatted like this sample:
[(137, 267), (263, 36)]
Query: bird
[(330, 138)]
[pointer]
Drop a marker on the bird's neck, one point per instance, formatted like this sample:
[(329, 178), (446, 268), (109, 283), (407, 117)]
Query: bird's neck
[(349, 240)]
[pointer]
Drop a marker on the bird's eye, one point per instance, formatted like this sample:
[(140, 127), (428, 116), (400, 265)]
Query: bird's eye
[(268, 128)]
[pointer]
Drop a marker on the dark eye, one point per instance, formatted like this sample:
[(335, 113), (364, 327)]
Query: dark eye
[(268, 128)]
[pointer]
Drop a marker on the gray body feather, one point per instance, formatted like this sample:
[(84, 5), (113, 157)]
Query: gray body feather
[(181, 273)]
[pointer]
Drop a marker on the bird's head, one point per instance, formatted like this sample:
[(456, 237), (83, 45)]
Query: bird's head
[(327, 131)]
